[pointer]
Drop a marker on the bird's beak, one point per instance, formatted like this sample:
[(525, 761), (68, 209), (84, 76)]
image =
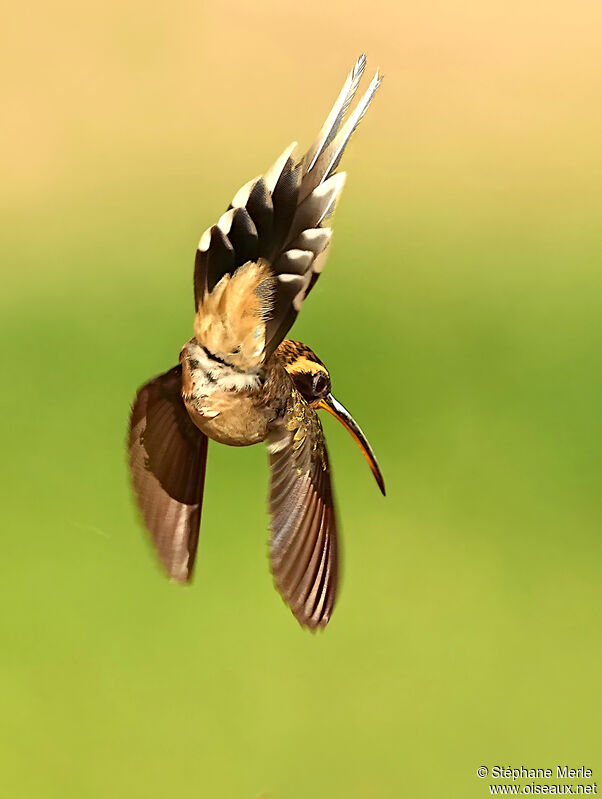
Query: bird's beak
[(333, 406)]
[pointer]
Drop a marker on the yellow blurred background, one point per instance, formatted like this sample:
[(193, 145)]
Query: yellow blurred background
[(460, 315)]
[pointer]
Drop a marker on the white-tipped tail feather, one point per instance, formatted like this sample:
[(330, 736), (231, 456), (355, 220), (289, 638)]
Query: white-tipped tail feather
[(337, 114), (280, 217), (329, 158)]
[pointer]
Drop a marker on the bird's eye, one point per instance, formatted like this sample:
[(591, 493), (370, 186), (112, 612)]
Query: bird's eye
[(320, 386)]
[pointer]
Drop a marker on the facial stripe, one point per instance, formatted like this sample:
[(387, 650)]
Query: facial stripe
[(303, 364)]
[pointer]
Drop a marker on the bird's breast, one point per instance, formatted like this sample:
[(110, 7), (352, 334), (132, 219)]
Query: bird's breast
[(224, 403), (233, 418)]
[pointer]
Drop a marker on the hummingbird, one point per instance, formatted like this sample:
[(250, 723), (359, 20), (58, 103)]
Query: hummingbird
[(239, 381)]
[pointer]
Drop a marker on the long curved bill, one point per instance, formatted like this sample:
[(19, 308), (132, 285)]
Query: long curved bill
[(333, 406)]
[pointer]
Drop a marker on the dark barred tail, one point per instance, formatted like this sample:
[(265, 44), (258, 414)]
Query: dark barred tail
[(280, 217)]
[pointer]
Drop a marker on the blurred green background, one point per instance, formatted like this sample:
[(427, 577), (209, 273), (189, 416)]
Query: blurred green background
[(460, 315)]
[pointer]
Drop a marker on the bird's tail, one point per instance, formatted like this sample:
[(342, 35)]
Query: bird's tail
[(280, 218), (312, 191), (323, 157)]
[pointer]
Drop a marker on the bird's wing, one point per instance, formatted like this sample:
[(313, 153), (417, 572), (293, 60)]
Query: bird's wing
[(278, 222), (303, 544), (167, 457)]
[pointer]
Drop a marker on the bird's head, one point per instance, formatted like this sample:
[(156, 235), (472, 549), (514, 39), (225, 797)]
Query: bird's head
[(310, 376), (312, 381)]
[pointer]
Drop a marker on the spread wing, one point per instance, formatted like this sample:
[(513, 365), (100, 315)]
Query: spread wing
[(303, 544), (278, 222), (167, 457)]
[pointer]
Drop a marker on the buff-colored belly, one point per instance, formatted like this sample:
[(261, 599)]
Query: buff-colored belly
[(232, 418)]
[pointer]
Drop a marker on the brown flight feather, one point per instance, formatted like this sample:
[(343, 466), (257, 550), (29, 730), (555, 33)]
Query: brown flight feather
[(167, 457), (303, 545)]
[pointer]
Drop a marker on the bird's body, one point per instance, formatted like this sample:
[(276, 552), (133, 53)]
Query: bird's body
[(229, 406), (240, 382)]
